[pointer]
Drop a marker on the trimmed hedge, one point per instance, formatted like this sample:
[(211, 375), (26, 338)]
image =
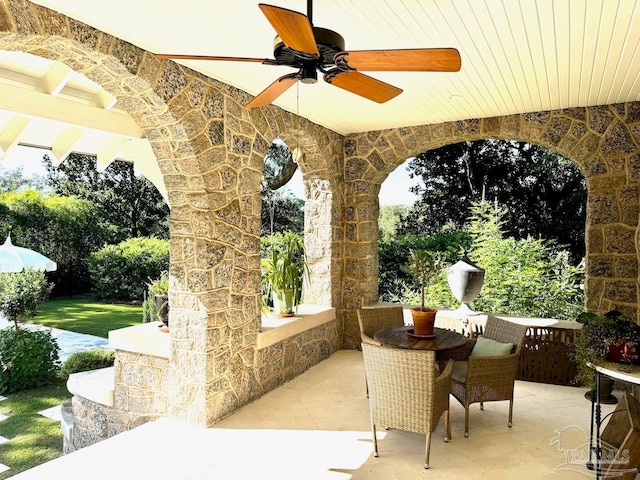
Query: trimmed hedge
[(87, 360), (121, 272)]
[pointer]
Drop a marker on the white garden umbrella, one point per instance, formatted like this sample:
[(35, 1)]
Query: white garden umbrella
[(15, 259)]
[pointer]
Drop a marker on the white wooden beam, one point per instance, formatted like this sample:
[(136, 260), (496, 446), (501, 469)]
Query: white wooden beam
[(10, 134), (105, 100), (56, 78), (63, 146), (108, 152), (28, 103), (145, 163)]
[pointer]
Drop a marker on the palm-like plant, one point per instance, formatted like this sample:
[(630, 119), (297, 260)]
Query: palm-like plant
[(283, 273)]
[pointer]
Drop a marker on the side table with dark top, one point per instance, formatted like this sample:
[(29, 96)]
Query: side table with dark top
[(399, 337)]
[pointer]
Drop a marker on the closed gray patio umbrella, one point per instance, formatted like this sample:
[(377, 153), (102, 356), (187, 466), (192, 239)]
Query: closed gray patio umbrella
[(15, 259)]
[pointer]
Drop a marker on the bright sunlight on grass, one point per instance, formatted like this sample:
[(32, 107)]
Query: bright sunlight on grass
[(84, 315), (34, 439)]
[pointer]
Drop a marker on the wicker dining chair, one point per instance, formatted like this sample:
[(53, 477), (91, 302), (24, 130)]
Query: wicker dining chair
[(373, 319), (406, 392), (488, 378)]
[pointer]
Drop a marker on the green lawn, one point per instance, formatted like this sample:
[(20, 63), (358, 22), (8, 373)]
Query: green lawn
[(84, 315), (34, 439)]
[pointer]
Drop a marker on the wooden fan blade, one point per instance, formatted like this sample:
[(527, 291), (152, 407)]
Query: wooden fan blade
[(293, 28), (363, 85), (273, 91), (409, 60), (209, 57)]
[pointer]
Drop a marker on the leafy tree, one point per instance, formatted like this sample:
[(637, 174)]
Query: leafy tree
[(389, 218), (133, 205), (543, 193), (22, 293), (395, 251), (121, 272), (281, 212), (530, 276), (65, 229), (14, 180)]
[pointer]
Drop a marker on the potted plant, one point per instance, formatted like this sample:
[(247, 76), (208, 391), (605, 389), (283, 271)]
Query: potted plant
[(283, 273), (156, 306), (423, 265), (605, 337)]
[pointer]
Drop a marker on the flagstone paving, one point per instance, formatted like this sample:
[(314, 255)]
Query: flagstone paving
[(53, 413), (69, 342)]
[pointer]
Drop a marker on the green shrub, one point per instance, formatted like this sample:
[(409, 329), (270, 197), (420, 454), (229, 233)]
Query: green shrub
[(527, 277), (28, 359), (65, 229), (394, 252), (22, 293), (87, 360), (121, 272)]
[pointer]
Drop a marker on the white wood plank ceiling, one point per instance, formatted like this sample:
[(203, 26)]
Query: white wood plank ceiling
[(517, 56)]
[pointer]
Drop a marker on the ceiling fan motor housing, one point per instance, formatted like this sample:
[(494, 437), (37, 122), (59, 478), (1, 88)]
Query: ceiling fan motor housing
[(329, 43)]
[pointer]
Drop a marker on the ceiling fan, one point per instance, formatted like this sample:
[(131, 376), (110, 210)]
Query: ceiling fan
[(310, 49)]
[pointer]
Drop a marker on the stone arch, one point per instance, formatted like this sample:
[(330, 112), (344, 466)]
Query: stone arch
[(603, 141), (210, 150)]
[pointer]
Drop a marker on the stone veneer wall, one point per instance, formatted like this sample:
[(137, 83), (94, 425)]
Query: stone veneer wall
[(142, 388), (602, 141), (210, 150), (141, 392)]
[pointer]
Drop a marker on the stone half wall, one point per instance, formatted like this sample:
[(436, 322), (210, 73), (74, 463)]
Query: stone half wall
[(142, 384)]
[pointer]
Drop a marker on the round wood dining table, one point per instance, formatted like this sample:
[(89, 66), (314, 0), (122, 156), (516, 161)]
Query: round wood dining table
[(399, 337)]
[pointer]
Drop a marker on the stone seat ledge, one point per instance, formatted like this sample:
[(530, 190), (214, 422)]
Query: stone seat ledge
[(276, 329), (94, 385)]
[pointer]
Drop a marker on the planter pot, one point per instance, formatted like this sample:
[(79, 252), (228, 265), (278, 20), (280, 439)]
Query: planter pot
[(465, 280), (606, 389), (162, 308), (283, 302), (623, 353), (423, 320)]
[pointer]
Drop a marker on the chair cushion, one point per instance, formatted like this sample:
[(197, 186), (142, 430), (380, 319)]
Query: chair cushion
[(486, 347), (459, 372)]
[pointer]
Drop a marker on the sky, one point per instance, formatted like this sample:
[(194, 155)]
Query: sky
[(30, 159), (394, 190)]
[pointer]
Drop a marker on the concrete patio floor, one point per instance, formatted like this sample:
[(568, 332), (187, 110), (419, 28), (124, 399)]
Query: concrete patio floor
[(317, 427)]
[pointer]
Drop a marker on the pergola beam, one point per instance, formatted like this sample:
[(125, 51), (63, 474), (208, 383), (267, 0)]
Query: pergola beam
[(23, 102), (10, 134), (56, 78)]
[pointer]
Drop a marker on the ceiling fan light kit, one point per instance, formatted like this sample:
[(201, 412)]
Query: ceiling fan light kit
[(309, 49)]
